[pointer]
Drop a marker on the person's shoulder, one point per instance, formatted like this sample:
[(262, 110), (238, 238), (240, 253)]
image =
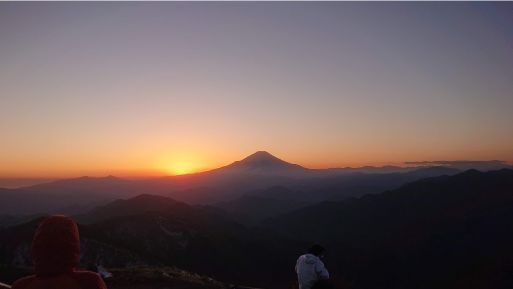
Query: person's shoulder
[(89, 279), (23, 282), (84, 275)]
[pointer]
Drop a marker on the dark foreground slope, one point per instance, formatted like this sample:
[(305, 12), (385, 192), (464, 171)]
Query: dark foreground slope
[(142, 278), (443, 232), (154, 231), (163, 278)]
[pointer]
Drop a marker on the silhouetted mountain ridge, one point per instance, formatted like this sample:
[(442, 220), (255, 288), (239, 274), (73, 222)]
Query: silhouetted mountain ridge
[(264, 161), (138, 205), (256, 172), (157, 231), (440, 232)]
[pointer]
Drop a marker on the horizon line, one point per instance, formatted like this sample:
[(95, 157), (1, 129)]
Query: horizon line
[(143, 174)]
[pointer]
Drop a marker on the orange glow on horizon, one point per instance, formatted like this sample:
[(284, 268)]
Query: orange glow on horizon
[(181, 169), (181, 163), (183, 160)]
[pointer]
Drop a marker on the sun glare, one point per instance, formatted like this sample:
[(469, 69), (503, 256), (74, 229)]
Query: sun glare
[(180, 163), (181, 168)]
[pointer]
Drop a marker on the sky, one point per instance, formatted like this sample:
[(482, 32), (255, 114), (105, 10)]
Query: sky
[(137, 89)]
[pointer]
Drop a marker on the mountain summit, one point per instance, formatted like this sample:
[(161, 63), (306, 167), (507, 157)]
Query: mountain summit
[(263, 158), (264, 161)]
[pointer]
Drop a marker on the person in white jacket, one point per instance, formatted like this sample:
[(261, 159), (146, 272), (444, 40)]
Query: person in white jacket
[(310, 269)]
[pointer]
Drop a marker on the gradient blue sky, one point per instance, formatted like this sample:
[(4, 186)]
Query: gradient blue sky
[(170, 87)]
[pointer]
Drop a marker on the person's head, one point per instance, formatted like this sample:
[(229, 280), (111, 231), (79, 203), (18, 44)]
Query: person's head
[(317, 250), (56, 246)]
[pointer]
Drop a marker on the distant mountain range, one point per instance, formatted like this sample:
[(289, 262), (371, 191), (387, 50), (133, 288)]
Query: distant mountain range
[(257, 172), (438, 232)]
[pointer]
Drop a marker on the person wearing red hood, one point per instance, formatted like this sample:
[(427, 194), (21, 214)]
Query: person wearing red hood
[(56, 253)]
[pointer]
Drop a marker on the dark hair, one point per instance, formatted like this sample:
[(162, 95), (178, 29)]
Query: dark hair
[(316, 250)]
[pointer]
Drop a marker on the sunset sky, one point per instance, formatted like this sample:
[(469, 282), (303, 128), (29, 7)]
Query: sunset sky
[(165, 88)]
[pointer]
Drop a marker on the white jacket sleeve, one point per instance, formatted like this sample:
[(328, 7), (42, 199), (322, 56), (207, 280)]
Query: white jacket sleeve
[(321, 270)]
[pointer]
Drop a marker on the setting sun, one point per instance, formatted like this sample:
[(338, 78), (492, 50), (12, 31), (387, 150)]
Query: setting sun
[(181, 168), (180, 163)]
